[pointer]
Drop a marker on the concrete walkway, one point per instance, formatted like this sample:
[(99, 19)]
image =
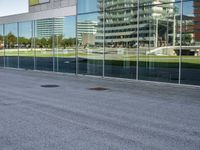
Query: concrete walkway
[(127, 116)]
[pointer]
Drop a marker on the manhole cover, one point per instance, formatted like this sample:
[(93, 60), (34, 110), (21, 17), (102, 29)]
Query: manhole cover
[(49, 86), (98, 89)]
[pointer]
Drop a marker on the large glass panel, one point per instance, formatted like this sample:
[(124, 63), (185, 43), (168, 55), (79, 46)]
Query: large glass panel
[(159, 36), (190, 71), (1, 47), (65, 44), (90, 50), (120, 38), (26, 51), (44, 53), (11, 45)]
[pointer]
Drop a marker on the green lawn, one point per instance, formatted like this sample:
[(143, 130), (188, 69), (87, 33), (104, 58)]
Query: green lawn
[(109, 57)]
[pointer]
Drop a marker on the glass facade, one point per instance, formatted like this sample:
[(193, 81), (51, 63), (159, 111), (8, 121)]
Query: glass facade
[(65, 46), (134, 39), (158, 60), (190, 60), (25, 41), (44, 45), (1, 46), (90, 55), (11, 45), (120, 38)]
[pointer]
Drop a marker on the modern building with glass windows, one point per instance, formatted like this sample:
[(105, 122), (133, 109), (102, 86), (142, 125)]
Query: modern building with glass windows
[(87, 32), (152, 40), (44, 27), (121, 21)]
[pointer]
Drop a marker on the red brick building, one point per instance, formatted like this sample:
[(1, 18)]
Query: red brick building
[(196, 26)]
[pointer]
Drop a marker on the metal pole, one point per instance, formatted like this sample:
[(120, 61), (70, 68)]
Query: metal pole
[(174, 31), (4, 58), (18, 45), (32, 40), (34, 46), (138, 19), (53, 44), (57, 58), (156, 44), (167, 31), (76, 49), (180, 51), (103, 73)]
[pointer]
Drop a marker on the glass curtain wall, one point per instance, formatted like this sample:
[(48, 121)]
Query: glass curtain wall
[(25, 41), (89, 41), (1, 46), (65, 44), (160, 41), (11, 45), (44, 53), (190, 60), (159, 44), (120, 32)]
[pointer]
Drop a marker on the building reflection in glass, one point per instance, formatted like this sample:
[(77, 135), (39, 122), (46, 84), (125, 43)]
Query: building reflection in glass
[(155, 40)]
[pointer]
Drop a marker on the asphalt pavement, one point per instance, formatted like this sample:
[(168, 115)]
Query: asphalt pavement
[(88, 113)]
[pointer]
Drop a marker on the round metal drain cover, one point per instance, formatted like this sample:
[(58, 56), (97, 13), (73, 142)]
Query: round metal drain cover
[(49, 86), (98, 89)]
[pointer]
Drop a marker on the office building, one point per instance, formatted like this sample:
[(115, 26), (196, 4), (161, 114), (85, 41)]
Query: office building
[(121, 24), (45, 27), (86, 32)]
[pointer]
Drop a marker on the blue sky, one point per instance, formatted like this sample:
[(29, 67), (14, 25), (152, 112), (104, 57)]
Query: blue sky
[(10, 7), (87, 6), (188, 8)]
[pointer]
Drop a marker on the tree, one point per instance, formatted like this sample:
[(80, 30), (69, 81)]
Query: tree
[(24, 41), (68, 42), (1, 38), (50, 42), (43, 43), (12, 40), (186, 38)]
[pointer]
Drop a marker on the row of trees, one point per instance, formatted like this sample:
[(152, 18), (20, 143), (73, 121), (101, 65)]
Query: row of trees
[(10, 41)]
